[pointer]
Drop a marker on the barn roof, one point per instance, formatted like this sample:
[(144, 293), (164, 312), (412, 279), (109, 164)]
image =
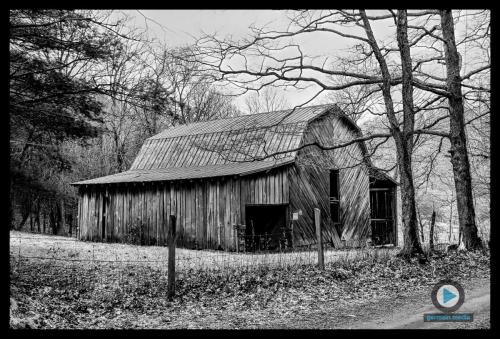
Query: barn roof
[(183, 173), (232, 146)]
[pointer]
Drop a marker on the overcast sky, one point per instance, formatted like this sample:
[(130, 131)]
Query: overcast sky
[(182, 27)]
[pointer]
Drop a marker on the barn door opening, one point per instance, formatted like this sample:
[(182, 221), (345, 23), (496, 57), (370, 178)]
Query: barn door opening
[(266, 227), (382, 215)]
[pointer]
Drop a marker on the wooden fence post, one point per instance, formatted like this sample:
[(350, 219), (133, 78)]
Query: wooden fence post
[(171, 259), (317, 221)]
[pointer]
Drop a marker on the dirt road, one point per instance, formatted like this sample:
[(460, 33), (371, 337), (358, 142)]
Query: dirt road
[(410, 315)]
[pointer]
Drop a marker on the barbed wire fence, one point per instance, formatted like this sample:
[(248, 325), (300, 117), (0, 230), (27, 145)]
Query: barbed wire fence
[(78, 266)]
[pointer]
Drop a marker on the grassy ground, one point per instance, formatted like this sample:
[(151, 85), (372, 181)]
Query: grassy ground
[(86, 294), (63, 249)]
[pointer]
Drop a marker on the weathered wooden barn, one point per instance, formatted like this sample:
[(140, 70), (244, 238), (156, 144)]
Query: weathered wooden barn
[(252, 170)]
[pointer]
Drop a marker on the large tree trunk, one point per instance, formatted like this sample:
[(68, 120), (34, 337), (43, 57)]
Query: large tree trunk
[(403, 139), (411, 241), (412, 244), (458, 149)]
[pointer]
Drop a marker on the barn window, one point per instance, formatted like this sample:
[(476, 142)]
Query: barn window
[(334, 196)]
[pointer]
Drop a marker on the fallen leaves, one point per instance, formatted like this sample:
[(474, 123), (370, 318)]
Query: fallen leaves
[(80, 295)]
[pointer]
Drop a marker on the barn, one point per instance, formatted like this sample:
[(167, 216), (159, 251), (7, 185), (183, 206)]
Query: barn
[(246, 177)]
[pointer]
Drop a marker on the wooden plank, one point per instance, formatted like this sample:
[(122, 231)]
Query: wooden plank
[(194, 213), (114, 210), (81, 219), (90, 211), (119, 210), (251, 189), (272, 184), (212, 213), (179, 212), (97, 224), (133, 207), (126, 210), (154, 212), (286, 186), (227, 214), (165, 194), (187, 212), (83, 224), (278, 187), (204, 210), (130, 196), (243, 199), (142, 206), (319, 238), (150, 209), (94, 213), (221, 206)]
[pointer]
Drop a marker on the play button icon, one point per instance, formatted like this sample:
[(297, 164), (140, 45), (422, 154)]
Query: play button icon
[(447, 296)]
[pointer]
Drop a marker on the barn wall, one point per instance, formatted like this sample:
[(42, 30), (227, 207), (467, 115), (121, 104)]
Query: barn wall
[(206, 210), (310, 185)]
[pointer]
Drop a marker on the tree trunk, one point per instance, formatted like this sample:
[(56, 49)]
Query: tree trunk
[(412, 244), (60, 218), (25, 212), (421, 226), (458, 141), (23, 221), (451, 219), (44, 220), (411, 241), (31, 221), (70, 224), (403, 139), (38, 216), (52, 219), (431, 231)]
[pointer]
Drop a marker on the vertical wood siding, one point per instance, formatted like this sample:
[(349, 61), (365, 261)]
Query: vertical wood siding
[(206, 210)]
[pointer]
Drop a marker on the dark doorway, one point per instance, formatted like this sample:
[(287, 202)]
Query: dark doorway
[(266, 227), (335, 200), (382, 215)]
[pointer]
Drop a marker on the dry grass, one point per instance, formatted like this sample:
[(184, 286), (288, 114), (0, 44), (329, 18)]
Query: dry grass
[(69, 250)]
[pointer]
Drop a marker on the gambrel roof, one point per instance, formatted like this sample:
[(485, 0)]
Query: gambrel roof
[(232, 146)]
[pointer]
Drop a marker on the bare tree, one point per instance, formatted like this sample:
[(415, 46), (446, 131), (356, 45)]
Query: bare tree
[(266, 100), (458, 150), (291, 70)]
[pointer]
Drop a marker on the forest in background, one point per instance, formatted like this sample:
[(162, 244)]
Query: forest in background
[(87, 88)]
